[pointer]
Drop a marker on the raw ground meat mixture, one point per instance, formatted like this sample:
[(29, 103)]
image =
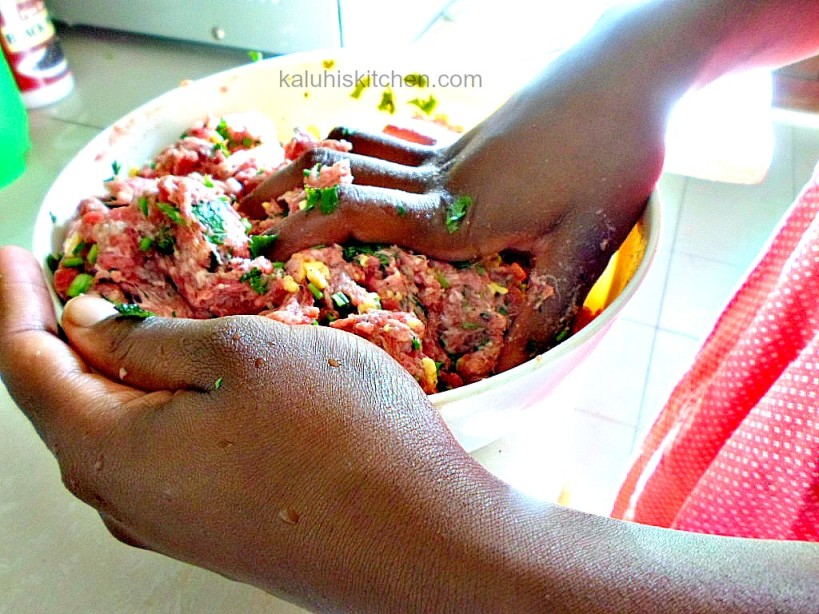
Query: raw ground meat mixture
[(168, 238)]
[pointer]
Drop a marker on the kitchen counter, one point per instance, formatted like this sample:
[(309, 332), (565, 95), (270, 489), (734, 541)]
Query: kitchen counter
[(55, 554)]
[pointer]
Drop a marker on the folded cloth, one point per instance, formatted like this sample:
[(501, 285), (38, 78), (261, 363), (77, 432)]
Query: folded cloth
[(735, 451)]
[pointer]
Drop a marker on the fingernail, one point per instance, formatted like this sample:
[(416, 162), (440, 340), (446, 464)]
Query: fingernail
[(85, 311)]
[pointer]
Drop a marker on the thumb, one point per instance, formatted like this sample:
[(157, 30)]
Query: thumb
[(155, 353)]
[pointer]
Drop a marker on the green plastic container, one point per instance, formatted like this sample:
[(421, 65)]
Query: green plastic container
[(14, 142)]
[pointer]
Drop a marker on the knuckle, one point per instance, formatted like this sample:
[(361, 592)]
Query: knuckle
[(319, 155)]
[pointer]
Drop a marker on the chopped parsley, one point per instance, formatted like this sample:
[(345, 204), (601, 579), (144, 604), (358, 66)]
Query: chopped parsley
[(255, 56), (132, 310), (218, 383), (258, 244), (427, 106), (145, 244), (78, 249), (356, 249), (207, 180), (401, 210), (80, 285), (456, 212), (325, 198), (171, 212), (387, 102), (209, 215), (256, 280), (563, 335), (164, 242), (222, 130), (143, 205), (470, 326), (416, 343), (116, 167), (221, 146), (53, 261)]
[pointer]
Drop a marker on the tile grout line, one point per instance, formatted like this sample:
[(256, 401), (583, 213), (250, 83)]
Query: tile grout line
[(657, 328)]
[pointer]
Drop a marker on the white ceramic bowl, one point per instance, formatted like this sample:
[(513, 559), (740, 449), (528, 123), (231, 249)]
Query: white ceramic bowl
[(477, 413)]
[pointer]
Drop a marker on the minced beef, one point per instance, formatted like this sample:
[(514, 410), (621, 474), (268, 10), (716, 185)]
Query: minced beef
[(167, 236)]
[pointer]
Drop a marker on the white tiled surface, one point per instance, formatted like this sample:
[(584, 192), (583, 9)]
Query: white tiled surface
[(711, 233)]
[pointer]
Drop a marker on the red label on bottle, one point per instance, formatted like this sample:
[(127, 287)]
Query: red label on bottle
[(30, 45)]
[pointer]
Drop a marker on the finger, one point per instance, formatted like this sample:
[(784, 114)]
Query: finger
[(386, 147), (121, 532), (43, 375), (365, 170), (159, 353), (565, 266), (370, 215)]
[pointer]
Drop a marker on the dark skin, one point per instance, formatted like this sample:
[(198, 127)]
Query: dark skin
[(539, 180), (320, 472)]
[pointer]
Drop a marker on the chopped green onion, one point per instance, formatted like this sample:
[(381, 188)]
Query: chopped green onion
[(92, 254), (442, 280), (80, 285), (258, 244), (456, 212), (172, 212), (73, 262), (340, 299), (132, 310), (145, 244), (317, 294)]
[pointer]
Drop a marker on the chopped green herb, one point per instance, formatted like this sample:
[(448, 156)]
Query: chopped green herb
[(209, 215), (207, 181), (360, 86), (563, 335), (258, 244), (401, 210), (325, 198), (80, 285), (456, 212), (355, 249), (340, 299), (387, 101), (165, 243), (221, 146), (247, 142), (218, 383), (171, 212), (442, 280), (53, 217), (278, 265), (256, 280), (93, 253), (503, 311), (248, 225), (145, 244), (317, 294), (427, 106), (78, 249), (416, 79), (116, 167), (132, 310), (416, 343), (255, 56), (73, 262), (222, 129), (470, 326), (143, 205), (53, 261)]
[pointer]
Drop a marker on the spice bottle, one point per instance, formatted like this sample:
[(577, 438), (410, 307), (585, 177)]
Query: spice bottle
[(33, 52)]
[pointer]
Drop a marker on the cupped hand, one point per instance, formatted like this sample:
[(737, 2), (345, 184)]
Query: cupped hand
[(560, 173), (267, 453)]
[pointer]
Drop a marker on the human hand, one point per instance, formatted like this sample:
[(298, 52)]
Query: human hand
[(264, 452), (561, 172)]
